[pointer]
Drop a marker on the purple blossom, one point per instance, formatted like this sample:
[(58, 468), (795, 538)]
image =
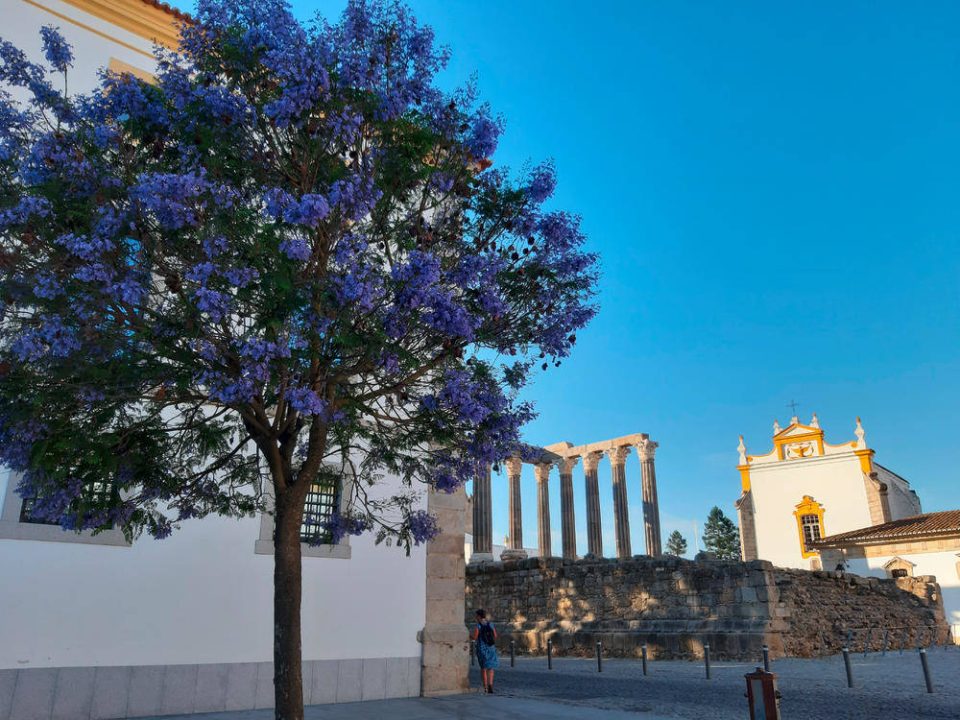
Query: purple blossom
[(483, 135), (423, 526), (339, 525), (295, 248), (306, 401), (543, 181), (309, 210), (55, 48)]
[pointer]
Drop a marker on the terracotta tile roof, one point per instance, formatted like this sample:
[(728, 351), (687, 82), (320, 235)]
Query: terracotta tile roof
[(179, 14), (929, 524)]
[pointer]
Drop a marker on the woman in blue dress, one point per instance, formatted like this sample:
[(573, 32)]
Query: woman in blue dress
[(485, 641)]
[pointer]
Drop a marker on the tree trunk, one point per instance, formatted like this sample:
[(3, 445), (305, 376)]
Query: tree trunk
[(287, 575)]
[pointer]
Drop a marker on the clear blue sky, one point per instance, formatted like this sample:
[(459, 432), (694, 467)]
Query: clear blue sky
[(775, 193)]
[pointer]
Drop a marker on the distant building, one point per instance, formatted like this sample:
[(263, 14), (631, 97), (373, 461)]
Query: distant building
[(806, 488), (810, 504)]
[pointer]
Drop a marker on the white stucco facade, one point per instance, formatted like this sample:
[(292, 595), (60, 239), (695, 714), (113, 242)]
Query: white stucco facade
[(200, 596), (805, 480)]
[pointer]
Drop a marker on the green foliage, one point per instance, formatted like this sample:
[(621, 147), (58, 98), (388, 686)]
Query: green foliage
[(721, 536), (676, 544)]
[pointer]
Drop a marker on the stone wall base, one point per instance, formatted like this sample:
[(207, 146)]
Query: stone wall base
[(628, 643), (102, 693)]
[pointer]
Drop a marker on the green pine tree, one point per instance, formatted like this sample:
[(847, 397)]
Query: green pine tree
[(676, 544), (721, 536)]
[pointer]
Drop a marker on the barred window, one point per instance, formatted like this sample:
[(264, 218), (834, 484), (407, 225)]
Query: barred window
[(811, 529), (94, 492), (27, 516), (322, 500)]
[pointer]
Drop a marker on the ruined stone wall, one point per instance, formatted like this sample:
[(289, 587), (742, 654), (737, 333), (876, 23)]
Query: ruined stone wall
[(675, 606), (821, 610)]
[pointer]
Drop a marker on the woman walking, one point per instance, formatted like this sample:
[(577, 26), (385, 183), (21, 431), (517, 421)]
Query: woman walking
[(485, 641)]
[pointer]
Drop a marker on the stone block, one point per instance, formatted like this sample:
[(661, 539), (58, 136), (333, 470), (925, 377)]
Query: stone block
[(74, 694), (374, 682), (446, 566), (211, 695), (110, 688), (33, 694), (445, 680), (445, 589), (179, 689), (8, 681), (145, 695), (444, 612), (446, 544), (350, 681), (325, 677), (396, 682), (265, 697), (241, 686)]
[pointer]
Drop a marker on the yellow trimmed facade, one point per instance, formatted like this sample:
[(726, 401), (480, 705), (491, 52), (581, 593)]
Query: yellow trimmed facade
[(792, 492)]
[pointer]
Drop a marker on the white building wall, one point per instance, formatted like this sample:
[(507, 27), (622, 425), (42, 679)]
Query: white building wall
[(836, 482), (199, 596)]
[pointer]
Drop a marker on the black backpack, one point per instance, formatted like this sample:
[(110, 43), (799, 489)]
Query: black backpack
[(487, 635)]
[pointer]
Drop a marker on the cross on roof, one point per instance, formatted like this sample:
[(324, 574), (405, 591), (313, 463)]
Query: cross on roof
[(793, 405)]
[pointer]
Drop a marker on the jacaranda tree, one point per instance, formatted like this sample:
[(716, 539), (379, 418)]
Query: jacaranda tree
[(289, 258)]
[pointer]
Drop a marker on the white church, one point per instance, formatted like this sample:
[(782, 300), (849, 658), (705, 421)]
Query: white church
[(93, 627), (815, 505)]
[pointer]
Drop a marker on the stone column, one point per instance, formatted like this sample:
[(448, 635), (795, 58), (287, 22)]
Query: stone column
[(482, 517), (515, 551), (618, 458), (594, 534), (445, 662), (568, 528), (542, 471), (646, 449)]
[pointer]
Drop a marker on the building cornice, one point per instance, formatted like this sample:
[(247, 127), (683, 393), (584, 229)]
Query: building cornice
[(154, 21)]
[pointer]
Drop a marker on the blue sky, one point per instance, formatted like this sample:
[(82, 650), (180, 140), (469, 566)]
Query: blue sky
[(774, 193)]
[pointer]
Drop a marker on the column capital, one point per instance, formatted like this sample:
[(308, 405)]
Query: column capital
[(514, 465), (542, 471), (591, 460), (647, 448), (566, 465), (618, 455)]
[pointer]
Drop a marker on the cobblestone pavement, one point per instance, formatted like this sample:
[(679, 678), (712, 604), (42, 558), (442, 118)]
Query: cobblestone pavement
[(885, 687)]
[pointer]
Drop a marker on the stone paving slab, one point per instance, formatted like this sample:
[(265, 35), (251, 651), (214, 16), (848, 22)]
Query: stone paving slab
[(473, 706)]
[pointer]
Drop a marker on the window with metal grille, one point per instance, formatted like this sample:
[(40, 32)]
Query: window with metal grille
[(898, 573), (95, 492), (811, 528), (322, 500)]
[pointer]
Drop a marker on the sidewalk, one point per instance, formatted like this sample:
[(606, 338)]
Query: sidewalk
[(457, 707)]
